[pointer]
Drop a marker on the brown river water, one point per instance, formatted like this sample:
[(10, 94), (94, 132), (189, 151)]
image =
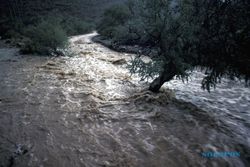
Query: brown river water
[(87, 111)]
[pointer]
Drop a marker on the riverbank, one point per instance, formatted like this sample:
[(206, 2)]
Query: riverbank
[(131, 49)]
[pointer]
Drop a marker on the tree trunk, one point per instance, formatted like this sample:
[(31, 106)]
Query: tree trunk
[(166, 75), (158, 82)]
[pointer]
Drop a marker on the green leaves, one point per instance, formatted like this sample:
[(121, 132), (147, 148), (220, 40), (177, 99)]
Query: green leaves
[(45, 37), (113, 17), (146, 70)]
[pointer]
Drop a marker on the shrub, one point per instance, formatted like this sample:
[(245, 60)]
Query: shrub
[(75, 26), (44, 38), (12, 30), (47, 33), (113, 17), (122, 25)]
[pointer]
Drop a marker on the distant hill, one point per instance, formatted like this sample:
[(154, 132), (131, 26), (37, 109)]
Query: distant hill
[(28, 12), (27, 8), (95, 8)]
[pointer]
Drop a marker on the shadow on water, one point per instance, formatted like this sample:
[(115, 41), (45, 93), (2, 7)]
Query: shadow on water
[(87, 110)]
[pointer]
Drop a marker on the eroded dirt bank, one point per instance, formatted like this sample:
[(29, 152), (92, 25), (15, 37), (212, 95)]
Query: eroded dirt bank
[(88, 111)]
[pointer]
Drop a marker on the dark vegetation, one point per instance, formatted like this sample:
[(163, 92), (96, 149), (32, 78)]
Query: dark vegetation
[(186, 34), (42, 26)]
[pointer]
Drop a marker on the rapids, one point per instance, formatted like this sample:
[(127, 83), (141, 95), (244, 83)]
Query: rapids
[(87, 110)]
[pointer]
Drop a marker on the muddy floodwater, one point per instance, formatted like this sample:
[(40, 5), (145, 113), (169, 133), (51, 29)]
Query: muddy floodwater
[(88, 111)]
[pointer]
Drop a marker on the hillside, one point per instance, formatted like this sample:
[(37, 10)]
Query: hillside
[(27, 12)]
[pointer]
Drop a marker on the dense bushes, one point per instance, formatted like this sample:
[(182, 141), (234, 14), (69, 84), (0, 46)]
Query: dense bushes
[(113, 21), (75, 26), (47, 33), (44, 38), (123, 24), (43, 34)]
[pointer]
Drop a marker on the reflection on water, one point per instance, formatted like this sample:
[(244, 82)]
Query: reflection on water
[(87, 110)]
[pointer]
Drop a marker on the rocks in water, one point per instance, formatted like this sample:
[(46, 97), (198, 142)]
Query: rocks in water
[(119, 62), (20, 44), (50, 63), (81, 41), (8, 41), (114, 61), (49, 67), (20, 149), (63, 75), (85, 53)]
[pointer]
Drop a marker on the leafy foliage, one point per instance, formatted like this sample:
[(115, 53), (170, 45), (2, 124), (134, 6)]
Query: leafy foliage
[(226, 37), (75, 26), (45, 38), (145, 69), (211, 34), (113, 21)]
